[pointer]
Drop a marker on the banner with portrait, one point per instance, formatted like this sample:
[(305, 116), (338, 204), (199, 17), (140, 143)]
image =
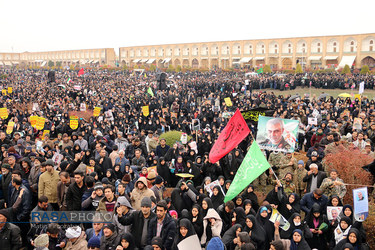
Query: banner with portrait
[(333, 212), (360, 200), (277, 134)]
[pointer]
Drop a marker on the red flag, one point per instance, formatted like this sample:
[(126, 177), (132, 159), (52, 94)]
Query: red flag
[(81, 72), (235, 131)]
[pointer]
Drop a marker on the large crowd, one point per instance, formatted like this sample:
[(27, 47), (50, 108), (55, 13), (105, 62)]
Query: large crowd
[(119, 162)]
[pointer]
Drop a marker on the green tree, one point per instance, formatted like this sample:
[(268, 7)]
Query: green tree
[(267, 69), (58, 64), (50, 63), (178, 68), (152, 67), (346, 69), (124, 67), (299, 69), (170, 68), (365, 69)]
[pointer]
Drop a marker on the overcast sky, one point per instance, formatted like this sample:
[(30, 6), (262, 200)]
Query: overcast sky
[(45, 25)]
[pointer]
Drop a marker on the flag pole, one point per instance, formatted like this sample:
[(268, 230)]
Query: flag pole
[(270, 165)]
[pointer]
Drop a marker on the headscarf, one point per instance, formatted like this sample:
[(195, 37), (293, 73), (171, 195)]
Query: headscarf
[(188, 225), (218, 199), (296, 208), (129, 238), (246, 202), (258, 235), (209, 205), (240, 216), (267, 226), (198, 224), (302, 245), (230, 234), (351, 209), (251, 196), (288, 234), (330, 200), (356, 245)]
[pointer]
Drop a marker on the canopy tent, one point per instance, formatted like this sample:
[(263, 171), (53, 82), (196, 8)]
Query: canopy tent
[(246, 59), (167, 60), (330, 57), (314, 58), (346, 60), (151, 60)]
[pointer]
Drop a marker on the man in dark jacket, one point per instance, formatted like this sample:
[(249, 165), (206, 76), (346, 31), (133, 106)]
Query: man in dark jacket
[(10, 234), (110, 239), (104, 162), (75, 193), (225, 212), (21, 214), (4, 139), (316, 196), (89, 181), (62, 188), (211, 169), (139, 220), (314, 178), (5, 180), (168, 226), (162, 149)]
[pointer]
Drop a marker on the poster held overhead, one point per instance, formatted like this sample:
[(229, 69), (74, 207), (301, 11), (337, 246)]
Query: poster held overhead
[(277, 134), (360, 200)]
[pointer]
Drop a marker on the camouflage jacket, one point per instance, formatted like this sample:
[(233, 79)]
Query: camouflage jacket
[(330, 189)]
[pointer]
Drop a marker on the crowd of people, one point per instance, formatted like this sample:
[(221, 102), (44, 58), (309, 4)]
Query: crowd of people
[(120, 163)]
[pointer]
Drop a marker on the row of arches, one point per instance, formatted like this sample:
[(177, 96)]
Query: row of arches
[(274, 47), (286, 63)]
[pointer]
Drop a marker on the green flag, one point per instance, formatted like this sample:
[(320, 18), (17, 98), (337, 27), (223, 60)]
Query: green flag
[(149, 91), (260, 70), (253, 165)]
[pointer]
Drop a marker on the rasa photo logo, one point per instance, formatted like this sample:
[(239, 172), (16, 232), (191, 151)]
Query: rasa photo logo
[(71, 217)]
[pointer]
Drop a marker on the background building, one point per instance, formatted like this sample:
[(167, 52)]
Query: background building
[(87, 57), (283, 53)]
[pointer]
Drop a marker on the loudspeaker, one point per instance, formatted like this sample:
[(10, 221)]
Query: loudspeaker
[(51, 76), (161, 79)]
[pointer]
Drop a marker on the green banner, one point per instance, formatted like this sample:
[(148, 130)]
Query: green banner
[(149, 91), (253, 165)]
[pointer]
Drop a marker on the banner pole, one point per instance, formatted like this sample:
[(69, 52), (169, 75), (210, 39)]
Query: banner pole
[(270, 165)]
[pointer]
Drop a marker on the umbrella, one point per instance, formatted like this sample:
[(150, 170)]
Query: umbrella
[(345, 95), (293, 97), (323, 96)]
